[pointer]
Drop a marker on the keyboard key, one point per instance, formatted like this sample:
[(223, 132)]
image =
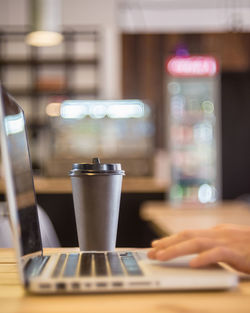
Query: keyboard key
[(115, 264), (100, 264), (45, 259), (131, 264), (85, 265), (35, 266), (59, 266), (71, 265)]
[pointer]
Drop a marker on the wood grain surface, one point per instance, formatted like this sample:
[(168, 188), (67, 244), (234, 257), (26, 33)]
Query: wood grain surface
[(14, 299), (49, 185)]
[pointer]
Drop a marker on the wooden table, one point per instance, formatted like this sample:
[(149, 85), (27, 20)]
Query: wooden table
[(168, 219), (14, 299)]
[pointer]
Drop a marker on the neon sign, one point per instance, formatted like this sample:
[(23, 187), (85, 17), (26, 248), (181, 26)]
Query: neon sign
[(192, 66)]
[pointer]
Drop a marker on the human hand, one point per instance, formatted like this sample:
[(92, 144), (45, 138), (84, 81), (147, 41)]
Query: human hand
[(223, 243)]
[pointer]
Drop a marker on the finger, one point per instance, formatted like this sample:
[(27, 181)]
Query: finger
[(191, 246), (155, 242), (182, 236), (152, 253), (222, 254), (160, 243)]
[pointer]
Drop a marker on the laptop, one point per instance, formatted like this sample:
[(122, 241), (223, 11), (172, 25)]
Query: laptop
[(79, 272)]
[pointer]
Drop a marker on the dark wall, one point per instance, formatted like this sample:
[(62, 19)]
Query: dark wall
[(235, 97)]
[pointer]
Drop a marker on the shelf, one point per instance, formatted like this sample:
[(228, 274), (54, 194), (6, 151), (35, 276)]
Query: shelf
[(32, 62), (36, 93), (38, 64), (39, 76)]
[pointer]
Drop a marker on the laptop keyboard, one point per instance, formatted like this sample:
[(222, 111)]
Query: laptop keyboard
[(87, 264), (97, 264)]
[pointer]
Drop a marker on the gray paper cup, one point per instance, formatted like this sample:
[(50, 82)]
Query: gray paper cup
[(96, 189)]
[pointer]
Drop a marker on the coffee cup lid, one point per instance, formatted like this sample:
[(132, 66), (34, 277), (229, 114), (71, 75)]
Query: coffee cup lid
[(96, 167)]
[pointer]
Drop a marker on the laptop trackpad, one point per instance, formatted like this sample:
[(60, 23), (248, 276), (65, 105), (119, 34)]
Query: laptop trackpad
[(180, 264), (182, 261)]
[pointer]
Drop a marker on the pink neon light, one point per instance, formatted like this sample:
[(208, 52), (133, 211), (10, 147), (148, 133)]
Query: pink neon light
[(192, 66)]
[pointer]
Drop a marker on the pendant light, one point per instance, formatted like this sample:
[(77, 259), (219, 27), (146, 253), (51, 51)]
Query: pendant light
[(45, 23)]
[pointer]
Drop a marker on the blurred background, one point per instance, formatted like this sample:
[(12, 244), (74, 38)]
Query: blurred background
[(119, 49)]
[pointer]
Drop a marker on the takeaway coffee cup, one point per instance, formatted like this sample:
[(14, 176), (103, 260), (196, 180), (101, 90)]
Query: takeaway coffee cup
[(96, 189)]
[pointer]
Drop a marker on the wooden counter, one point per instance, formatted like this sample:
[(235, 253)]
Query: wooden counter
[(47, 185), (14, 299), (168, 219)]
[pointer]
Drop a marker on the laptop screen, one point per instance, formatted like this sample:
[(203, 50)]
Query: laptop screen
[(17, 169)]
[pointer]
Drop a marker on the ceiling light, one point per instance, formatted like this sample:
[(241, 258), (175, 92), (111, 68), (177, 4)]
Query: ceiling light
[(45, 23)]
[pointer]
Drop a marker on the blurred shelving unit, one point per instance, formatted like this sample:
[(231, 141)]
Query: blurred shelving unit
[(42, 78), (38, 76), (69, 69)]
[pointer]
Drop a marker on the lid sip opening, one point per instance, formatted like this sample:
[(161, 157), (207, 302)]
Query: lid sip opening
[(96, 161)]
